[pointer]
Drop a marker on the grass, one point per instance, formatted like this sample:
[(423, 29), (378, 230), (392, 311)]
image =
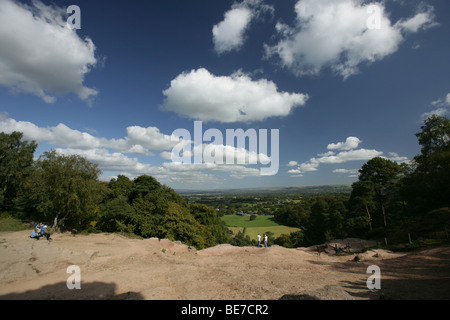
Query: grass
[(8, 223), (234, 220), (261, 225), (277, 231)]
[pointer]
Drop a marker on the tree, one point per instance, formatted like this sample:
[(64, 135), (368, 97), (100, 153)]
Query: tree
[(295, 215), (116, 215), (428, 186), (144, 185), (122, 186), (362, 199), (16, 159), (65, 189), (284, 240), (434, 137), (316, 229), (213, 229), (381, 175)]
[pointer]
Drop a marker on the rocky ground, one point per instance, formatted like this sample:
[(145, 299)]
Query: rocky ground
[(116, 267)]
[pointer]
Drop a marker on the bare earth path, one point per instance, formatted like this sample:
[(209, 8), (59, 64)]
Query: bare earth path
[(116, 267)]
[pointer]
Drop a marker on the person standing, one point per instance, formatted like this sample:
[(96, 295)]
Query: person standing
[(265, 240), (259, 240)]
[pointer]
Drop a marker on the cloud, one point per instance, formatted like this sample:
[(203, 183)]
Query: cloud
[(424, 19), (167, 172), (139, 140), (292, 163), (347, 153), (351, 155), (438, 112), (229, 34), (442, 109), (341, 34), (393, 156), (352, 171), (442, 102), (126, 155), (39, 55), (200, 95), (109, 161), (350, 143)]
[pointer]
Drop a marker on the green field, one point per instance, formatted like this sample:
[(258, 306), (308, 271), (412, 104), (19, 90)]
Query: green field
[(8, 223), (260, 225)]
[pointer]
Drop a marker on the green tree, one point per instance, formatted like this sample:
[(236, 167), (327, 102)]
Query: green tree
[(240, 240), (284, 240), (428, 186), (434, 137), (65, 189), (381, 175), (316, 230), (296, 215), (362, 200), (122, 186), (16, 159), (116, 215), (144, 185), (213, 229)]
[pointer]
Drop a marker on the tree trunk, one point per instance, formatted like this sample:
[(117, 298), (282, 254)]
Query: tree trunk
[(384, 215), (370, 218), (57, 224)]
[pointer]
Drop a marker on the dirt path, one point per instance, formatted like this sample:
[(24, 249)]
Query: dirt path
[(115, 267)]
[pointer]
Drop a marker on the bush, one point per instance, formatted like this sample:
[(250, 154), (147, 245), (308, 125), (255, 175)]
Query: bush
[(240, 240)]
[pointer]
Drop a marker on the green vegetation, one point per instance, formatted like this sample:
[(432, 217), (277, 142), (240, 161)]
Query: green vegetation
[(260, 225), (393, 203), (244, 221), (9, 223), (64, 191), (390, 202)]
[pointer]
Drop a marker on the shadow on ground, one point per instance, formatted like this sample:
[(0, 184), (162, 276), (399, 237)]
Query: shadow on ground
[(88, 291), (421, 275)]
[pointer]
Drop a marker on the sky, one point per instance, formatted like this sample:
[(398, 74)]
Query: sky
[(154, 87)]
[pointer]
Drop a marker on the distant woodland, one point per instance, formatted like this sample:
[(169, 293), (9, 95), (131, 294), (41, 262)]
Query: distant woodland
[(391, 202)]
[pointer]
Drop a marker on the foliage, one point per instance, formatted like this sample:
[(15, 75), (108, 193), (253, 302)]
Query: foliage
[(240, 240), (16, 159), (427, 187), (9, 222), (146, 208), (389, 200), (65, 189)]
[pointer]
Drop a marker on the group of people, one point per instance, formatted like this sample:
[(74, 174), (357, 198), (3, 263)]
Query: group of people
[(265, 240), (40, 231)]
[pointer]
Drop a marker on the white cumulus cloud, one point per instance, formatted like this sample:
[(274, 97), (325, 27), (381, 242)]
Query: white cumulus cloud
[(342, 34), (229, 34), (129, 155), (441, 105), (346, 151), (200, 95), (350, 143), (139, 140), (39, 55)]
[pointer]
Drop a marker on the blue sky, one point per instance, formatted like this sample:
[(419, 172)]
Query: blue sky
[(341, 80)]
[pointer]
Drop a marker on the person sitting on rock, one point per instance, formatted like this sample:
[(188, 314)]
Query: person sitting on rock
[(35, 234), (44, 232)]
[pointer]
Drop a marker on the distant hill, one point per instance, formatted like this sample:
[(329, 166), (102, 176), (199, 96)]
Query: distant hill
[(307, 190)]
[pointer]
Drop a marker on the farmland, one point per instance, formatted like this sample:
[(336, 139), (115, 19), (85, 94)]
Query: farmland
[(263, 202), (261, 225)]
